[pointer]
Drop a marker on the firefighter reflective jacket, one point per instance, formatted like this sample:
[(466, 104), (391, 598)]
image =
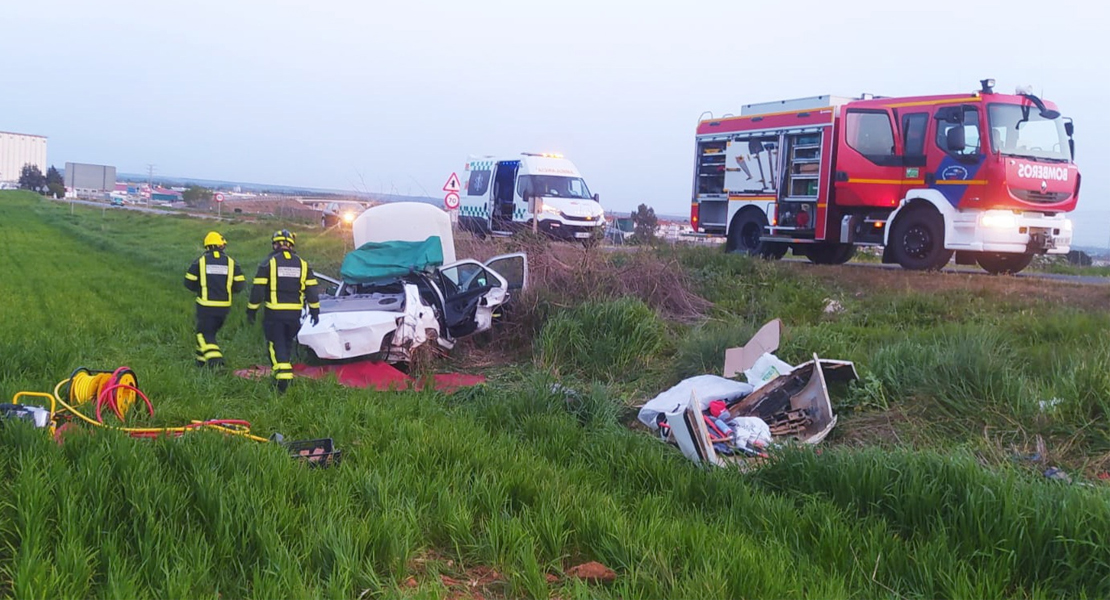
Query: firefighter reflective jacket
[(284, 281), (214, 277)]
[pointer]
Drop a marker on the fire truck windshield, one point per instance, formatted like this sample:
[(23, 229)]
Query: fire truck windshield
[(553, 186), (1021, 131)]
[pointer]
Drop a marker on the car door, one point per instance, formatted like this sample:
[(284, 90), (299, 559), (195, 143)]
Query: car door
[(328, 286), (471, 291), (513, 268)]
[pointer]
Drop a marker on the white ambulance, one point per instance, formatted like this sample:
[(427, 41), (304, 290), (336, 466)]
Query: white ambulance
[(502, 195)]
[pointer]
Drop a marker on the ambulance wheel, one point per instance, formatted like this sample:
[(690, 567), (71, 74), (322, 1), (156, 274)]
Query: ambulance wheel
[(744, 236), (917, 241), (830, 254), (999, 263)]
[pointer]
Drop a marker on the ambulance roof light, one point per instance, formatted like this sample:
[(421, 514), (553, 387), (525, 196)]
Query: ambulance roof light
[(987, 86)]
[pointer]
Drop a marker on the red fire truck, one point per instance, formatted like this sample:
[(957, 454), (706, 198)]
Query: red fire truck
[(986, 176)]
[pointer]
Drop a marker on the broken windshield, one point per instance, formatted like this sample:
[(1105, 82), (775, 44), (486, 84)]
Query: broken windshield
[(1021, 131), (553, 186)]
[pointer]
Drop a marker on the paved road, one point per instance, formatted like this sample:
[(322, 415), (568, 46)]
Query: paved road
[(971, 270), (142, 209)]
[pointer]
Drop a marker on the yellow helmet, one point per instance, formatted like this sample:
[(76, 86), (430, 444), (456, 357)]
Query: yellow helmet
[(214, 239), (284, 237)]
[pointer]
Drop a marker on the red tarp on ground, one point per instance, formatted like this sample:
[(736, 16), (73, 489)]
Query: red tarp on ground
[(368, 374)]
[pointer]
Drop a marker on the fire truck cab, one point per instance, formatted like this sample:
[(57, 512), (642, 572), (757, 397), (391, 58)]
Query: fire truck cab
[(988, 177)]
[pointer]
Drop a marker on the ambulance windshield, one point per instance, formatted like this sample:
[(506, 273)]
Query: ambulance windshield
[(553, 186), (1020, 131)]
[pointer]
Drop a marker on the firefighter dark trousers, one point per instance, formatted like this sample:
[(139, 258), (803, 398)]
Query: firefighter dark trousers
[(209, 322), (280, 334)]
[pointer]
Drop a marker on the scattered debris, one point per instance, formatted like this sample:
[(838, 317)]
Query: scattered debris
[(708, 417), (1036, 457), (1049, 405), (798, 404), (317, 453), (551, 578), (592, 572), (705, 387), (765, 341), (766, 367), (411, 582), (833, 307), (1057, 474)]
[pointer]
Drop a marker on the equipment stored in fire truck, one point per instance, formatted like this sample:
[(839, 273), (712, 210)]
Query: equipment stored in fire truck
[(504, 195), (986, 176)]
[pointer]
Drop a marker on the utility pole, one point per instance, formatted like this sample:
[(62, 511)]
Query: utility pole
[(150, 181)]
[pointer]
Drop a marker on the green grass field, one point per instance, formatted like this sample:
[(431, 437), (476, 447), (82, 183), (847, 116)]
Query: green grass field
[(921, 493)]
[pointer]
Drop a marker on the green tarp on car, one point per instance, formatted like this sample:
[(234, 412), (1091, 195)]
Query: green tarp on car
[(374, 261)]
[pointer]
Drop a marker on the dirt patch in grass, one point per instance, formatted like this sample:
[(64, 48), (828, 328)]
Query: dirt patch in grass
[(865, 281), (477, 582), (887, 428)]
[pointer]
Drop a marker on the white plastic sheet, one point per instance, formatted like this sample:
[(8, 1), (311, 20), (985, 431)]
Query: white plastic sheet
[(766, 367), (705, 388)]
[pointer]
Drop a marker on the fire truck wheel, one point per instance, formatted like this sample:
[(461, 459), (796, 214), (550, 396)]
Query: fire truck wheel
[(830, 254), (917, 241), (998, 263), (744, 233)]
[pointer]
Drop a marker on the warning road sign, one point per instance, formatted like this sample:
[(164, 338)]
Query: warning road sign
[(451, 200), (452, 184)]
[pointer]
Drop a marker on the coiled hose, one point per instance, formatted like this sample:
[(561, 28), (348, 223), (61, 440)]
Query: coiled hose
[(119, 390)]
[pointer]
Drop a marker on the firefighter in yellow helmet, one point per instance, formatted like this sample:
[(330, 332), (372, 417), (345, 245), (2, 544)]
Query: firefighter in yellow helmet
[(213, 277), (285, 283)]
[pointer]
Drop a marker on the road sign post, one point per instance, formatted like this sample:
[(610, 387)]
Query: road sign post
[(451, 200)]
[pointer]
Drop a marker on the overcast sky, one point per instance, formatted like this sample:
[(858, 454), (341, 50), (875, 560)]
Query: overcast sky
[(381, 96)]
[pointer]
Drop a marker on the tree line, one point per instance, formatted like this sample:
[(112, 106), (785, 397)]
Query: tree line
[(31, 178)]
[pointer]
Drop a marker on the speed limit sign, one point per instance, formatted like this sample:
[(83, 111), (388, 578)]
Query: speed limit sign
[(451, 200), (219, 197)]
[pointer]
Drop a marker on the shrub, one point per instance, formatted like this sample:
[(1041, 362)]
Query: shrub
[(703, 349), (966, 370), (603, 340)]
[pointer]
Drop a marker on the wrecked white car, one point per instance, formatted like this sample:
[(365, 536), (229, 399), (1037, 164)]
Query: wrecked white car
[(402, 288)]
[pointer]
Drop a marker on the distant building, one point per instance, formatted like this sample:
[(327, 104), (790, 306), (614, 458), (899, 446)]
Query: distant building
[(163, 195), (85, 180), (18, 149)]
